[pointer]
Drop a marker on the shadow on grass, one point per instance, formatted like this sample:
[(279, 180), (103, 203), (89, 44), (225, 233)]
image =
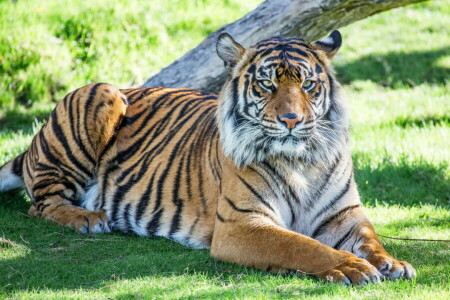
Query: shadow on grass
[(62, 261), (402, 182), (398, 69), (58, 259)]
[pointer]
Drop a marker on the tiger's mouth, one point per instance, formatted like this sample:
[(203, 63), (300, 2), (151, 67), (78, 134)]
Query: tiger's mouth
[(290, 138), (293, 137)]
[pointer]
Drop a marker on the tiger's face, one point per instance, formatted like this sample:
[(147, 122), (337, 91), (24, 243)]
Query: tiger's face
[(280, 100)]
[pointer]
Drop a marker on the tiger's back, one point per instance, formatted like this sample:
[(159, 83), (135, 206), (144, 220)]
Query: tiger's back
[(158, 184)]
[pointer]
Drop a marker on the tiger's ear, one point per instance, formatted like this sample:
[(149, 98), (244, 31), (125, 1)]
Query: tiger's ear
[(330, 45), (229, 51)]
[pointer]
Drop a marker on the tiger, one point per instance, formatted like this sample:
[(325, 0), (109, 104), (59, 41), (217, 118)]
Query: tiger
[(260, 174)]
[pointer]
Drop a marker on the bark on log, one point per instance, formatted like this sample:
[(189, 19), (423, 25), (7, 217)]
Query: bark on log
[(201, 68)]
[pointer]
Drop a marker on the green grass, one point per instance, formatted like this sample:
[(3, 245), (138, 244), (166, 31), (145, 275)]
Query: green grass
[(395, 68), (50, 47)]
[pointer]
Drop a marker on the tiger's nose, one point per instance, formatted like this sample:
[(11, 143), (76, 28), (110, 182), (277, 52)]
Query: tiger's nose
[(290, 120)]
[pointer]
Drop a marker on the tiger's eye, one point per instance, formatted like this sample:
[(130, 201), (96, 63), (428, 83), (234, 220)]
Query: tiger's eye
[(266, 84), (308, 85)]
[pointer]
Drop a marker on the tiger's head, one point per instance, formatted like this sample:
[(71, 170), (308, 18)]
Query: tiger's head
[(281, 100)]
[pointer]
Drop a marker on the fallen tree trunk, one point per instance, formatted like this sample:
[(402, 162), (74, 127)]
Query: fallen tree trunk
[(202, 69)]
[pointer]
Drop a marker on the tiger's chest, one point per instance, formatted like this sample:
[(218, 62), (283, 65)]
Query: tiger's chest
[(305, 196), (292, 196)]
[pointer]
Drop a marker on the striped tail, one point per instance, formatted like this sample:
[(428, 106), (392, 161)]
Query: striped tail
[(11, 174)]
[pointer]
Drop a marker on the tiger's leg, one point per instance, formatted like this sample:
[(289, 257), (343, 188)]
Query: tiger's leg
[(350, 230), (63, 157), (252, 236)]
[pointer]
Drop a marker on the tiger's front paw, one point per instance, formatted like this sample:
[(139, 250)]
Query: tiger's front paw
[(92, 222), (390, 267), (352, 270)]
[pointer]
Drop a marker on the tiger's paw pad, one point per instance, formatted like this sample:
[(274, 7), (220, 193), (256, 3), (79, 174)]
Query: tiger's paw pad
[(92, 222), (392, 268), (354, 270)]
